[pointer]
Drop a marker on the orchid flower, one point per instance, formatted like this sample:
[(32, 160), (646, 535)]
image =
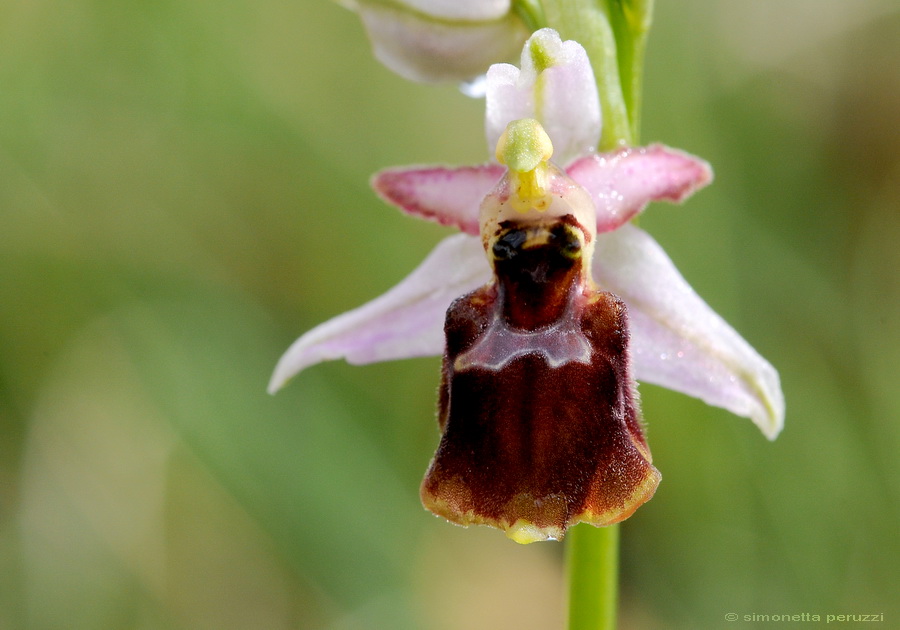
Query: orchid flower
[(440, 40), (676, 339)]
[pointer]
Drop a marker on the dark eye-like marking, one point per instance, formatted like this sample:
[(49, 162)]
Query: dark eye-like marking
[(508, 245), (566, 239)]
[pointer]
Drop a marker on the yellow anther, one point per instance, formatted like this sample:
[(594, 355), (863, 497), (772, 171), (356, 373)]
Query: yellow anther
[(524, 147)]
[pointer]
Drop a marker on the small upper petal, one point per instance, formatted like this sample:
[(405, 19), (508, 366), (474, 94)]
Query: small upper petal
[(623, 182), (677, 340), (405, 322), (427, 48), (449, 196), (555, 86), (506, 99)]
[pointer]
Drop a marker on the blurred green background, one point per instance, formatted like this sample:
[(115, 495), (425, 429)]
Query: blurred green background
[(183, 191)]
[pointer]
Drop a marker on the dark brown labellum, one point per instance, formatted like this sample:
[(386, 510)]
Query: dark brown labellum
[(538, 409)]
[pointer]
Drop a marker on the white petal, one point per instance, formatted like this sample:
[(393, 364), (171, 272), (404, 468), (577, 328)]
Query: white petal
[(677, 340), (469, 10), (564, 100), (505, 100), (420, 48), (407, 321)]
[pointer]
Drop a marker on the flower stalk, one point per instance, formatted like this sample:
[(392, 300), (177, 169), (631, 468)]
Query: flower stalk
[(531, 12), (631, 20), (592, 559)]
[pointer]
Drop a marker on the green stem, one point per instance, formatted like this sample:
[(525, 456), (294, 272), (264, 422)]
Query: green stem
[(592, 555), (631, 21), (588, 23), (531, 13)]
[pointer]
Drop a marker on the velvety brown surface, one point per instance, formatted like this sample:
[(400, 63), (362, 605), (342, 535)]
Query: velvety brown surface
[(528, 435)]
